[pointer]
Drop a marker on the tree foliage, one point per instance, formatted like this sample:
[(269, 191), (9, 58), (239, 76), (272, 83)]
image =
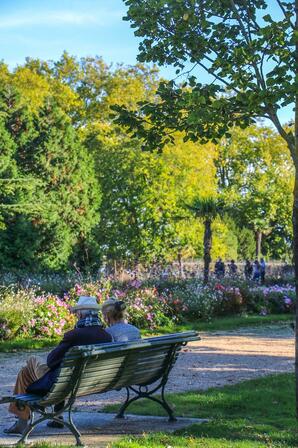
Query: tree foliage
[(76, 187), (248, 53)]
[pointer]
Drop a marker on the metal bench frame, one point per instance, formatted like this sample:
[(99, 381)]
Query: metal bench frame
[(38, 404)]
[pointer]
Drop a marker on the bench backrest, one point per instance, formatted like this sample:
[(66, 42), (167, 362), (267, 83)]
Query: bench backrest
[(102, 367)]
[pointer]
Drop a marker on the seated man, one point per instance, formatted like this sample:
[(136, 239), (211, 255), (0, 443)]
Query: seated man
[(37, 377)]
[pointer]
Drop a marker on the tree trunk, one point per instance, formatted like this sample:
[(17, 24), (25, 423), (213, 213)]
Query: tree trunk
[(295, 230), (180, 267), (258, 235), (295, 209), (207, 249), (115, 269)]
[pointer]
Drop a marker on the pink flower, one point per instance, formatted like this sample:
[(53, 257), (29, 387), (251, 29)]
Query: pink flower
[(119, 293), (135, 283), (78, 289), (219, 287)]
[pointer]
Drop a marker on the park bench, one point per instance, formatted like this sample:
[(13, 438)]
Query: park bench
[(142, 367)]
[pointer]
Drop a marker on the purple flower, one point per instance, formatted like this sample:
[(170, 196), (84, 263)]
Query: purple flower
[(135, 283), (263, 312), (287, 300)]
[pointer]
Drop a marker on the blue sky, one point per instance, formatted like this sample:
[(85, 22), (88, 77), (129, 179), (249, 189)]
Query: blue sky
[(44, 29)]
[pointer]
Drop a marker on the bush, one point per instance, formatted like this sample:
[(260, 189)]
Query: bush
[(200, 302), (273, 299), (51, 317), (24, 313), (145, 307), (16, 309)]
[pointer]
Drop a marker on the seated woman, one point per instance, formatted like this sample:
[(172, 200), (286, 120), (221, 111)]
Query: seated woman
[(113, 312)]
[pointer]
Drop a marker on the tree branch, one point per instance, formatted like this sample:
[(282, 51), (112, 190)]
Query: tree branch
[(208, 70), (285, 14), (288, 137), (246, 36)]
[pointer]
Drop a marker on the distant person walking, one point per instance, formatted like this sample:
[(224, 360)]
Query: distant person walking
[(256, 271), (233, 269), (219, 268), (262, 270), (248, 269)]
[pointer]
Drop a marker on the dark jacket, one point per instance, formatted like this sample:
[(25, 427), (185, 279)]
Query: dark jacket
[(78, 336)]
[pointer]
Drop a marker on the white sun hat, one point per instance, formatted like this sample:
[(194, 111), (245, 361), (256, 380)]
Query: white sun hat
[(86, 303)]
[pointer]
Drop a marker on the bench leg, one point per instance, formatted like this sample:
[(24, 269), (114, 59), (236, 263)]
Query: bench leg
[(69, 424), (30, 428), (147, 394), (124, 405), (166, 407)]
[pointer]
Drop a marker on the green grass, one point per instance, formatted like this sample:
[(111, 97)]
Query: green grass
[(225, 323), (251, 414), (22, 344)]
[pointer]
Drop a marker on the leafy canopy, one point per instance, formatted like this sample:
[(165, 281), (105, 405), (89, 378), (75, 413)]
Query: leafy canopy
[(246, 50)]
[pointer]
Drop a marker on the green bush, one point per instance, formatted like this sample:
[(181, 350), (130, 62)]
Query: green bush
[(51, 316), (16, 310)]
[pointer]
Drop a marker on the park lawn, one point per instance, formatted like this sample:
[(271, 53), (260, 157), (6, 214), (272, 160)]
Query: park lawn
[(224, 323), (218, 324), (23, 344), (252, 414)]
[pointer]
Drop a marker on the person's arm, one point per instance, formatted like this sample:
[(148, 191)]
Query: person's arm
[(55, 356)]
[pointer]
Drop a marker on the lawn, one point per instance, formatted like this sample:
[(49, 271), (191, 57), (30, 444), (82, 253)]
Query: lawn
[(252, 414), (226, 323), (22, 344)]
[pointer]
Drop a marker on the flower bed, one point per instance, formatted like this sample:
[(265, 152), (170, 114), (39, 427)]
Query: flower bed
[(272, 299), (30, 312)]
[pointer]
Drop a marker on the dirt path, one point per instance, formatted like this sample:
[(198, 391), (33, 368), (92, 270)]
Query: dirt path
[(218, 359)]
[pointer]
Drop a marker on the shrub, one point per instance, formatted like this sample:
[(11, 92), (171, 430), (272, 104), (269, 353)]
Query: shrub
[(145, 307), (100, 289), (16, 309), (51, 316), (274, 299)]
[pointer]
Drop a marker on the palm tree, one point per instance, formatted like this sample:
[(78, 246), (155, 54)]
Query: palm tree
[(207, 210)]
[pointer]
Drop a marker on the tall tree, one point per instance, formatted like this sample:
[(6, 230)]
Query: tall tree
[(42, 230), (251, 54), (207, 210), (16, 188), (255, 173)]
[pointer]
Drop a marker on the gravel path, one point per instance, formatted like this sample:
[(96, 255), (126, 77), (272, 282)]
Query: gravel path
[(218, 359)]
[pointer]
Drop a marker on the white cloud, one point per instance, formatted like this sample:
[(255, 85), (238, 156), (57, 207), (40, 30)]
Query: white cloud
[(56, 18)]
